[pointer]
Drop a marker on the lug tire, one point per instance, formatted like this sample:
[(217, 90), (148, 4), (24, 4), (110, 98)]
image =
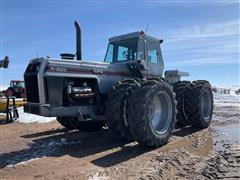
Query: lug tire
[(116, 115), (141, 116), (73, 123), (180, 89), (199, 104)]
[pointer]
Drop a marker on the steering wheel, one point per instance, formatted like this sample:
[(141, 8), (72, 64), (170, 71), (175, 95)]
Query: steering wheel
[(125, 54)]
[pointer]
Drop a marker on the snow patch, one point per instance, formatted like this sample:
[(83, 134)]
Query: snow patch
[(226, 100), (30, 118), (226, 106)]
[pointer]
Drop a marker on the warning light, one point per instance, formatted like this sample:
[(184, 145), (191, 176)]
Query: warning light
[(141, 33)]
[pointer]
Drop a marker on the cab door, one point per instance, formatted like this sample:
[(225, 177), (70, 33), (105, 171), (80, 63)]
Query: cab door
[(153, 55)]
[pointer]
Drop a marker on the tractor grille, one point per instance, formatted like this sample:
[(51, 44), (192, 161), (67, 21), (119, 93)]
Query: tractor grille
[(31, 82)]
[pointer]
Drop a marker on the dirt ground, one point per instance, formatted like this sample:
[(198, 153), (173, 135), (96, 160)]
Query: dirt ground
[(48, 151)]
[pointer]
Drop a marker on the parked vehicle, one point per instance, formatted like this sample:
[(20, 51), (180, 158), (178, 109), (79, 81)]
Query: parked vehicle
[(16, 88), (128, 90)]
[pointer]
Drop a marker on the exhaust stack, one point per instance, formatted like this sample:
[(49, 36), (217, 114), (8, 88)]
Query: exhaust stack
[(78, 41)]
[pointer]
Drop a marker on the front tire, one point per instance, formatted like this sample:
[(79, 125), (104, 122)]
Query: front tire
[(116, 114), (152, 113)]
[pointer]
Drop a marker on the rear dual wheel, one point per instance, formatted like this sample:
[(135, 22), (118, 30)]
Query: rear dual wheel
[(199, 104), (181, 88), (194, 103)]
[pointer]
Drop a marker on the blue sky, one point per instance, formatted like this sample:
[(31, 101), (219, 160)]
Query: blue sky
[(200, 37)]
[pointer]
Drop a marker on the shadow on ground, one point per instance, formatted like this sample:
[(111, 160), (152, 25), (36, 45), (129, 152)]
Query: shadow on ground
[(185, 131), (60, 142)]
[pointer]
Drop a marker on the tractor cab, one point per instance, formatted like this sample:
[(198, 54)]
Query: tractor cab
[(136, 49), (17, 84), (16, 88)]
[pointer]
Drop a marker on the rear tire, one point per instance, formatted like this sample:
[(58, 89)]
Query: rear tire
[(73, 123), (116, 115), (199, 104), (152, 113), (181, 88)]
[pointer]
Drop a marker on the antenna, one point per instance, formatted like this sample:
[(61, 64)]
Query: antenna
[(146, 29)]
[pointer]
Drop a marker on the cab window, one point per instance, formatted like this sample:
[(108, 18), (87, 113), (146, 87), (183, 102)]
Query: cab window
[(126, 50), (123, 50), (109, 54), (123, 53), (152, 52)]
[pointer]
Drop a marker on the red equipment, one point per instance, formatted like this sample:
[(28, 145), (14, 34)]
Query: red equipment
[(17, 89)]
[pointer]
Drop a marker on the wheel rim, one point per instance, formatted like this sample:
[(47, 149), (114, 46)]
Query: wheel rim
[(206, 105), (161, 112)]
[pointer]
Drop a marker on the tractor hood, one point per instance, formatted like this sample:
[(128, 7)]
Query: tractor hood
[(106, 74), (73, 67), (62, 68)]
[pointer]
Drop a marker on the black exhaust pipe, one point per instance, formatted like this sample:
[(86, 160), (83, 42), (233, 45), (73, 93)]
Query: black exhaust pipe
[(78, 41)]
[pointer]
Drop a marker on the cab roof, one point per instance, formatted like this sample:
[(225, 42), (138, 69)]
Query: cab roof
[(133, 35)]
